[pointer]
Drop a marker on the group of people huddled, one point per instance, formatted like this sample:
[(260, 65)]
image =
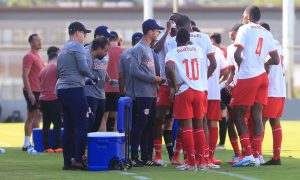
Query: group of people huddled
[(182, 74)]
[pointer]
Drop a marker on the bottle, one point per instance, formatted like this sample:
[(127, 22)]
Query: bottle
[(2, 151), (31, 151)]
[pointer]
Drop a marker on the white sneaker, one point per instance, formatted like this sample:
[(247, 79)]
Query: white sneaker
[(181, 166), (213, 166), (188, 168), (261, 159), (158, 162), (246, 161), (220, 147)]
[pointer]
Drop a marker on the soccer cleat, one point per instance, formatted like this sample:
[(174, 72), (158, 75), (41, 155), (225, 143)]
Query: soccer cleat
[(158, 162), (27, 147), (213, 166), (78, 165), (148, 163), (202, 167), (261, 159), (188, 168), (235, 159), (49, 150), (220, 147), (257, 162), (272, 162), (175, 160), (215, 161), (58, 150), (246, 161), (181, 166), (136, 163), (68, 167)]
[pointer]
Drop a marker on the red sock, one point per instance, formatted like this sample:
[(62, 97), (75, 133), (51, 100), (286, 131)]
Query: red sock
[(256, 145), (262, 140), (213, 139), (200, 144), (246, 147), (188, 139), (178, 146), (277, 139), (158, 147), (235, 145), (251, 129)]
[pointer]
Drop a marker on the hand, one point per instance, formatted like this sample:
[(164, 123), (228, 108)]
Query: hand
[(89, 82), (228, 88), (96, 79), (159, 80), (32, 98), (172, 94)]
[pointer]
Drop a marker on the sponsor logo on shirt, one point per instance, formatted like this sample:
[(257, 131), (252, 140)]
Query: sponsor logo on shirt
[(100, 66), (185, 49)]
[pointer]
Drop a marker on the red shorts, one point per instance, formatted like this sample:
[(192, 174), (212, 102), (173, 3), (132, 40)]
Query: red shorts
[(189, 104), (274, 108), (248, 91), (163, 96), (214, 110)]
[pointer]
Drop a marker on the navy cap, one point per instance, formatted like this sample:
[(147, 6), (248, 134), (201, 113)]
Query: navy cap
[(77, 26), (151, 24), (136, 36), (102, 30)]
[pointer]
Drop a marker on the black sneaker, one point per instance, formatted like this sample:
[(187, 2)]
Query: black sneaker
[(136, 163), (148, 163), (68, 167), (27, 147), (272, 162), (78, 165)]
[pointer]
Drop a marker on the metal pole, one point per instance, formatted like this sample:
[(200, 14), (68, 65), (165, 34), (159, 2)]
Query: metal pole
[(175, 6), (288, 35), (148, 9)]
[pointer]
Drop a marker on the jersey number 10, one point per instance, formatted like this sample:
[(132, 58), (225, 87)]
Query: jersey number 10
[(193, 64)]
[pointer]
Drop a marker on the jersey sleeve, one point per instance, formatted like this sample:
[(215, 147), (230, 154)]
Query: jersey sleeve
[(272, 46), (240, 37), (27, 61), (210, 49)]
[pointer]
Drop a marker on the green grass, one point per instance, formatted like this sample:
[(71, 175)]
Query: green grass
[(15, 164)]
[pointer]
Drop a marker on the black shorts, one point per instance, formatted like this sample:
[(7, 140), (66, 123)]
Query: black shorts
[(225, 97), (111, 101), (31, 107)]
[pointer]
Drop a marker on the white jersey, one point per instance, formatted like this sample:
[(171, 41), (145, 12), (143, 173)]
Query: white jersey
[(214, 79), (162, 56), (191, 67), (277, 85), (202, 40), (231, 62), (257, 43)]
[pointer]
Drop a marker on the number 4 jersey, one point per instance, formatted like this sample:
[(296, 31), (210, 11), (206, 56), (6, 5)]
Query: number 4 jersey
[(191, 67), (257, 43)]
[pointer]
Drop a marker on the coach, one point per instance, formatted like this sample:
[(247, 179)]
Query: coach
[(72, 69)]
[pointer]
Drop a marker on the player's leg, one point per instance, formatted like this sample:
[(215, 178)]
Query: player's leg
[(161, 112), (168, 134), (222, 127), (28, 122)]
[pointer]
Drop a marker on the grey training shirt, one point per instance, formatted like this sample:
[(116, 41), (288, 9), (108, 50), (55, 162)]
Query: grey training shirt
[(142, 70), (99, 68), (72, 67)]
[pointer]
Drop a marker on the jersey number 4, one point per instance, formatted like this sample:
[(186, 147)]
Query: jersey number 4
[(192, 64), (259, 46)]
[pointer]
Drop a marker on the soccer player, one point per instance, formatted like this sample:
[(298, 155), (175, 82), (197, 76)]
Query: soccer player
[(216, 39), (50, 105), (32, 66), (125, 79), (227, 92), (186, 67), (72, 69), (112, 93), (214, 105), (202, 40), (276, 96), (95, 93), (145, 83), (163, 105), (253, 44)]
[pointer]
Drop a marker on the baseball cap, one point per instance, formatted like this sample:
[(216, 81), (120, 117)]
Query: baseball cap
[(102, 30), (151, 24), (77, 26), (136, 36)]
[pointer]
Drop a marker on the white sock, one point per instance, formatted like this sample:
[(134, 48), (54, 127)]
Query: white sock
[(26, 141)]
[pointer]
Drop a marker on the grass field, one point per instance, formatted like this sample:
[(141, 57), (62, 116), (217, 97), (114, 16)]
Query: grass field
[(15, 164)]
